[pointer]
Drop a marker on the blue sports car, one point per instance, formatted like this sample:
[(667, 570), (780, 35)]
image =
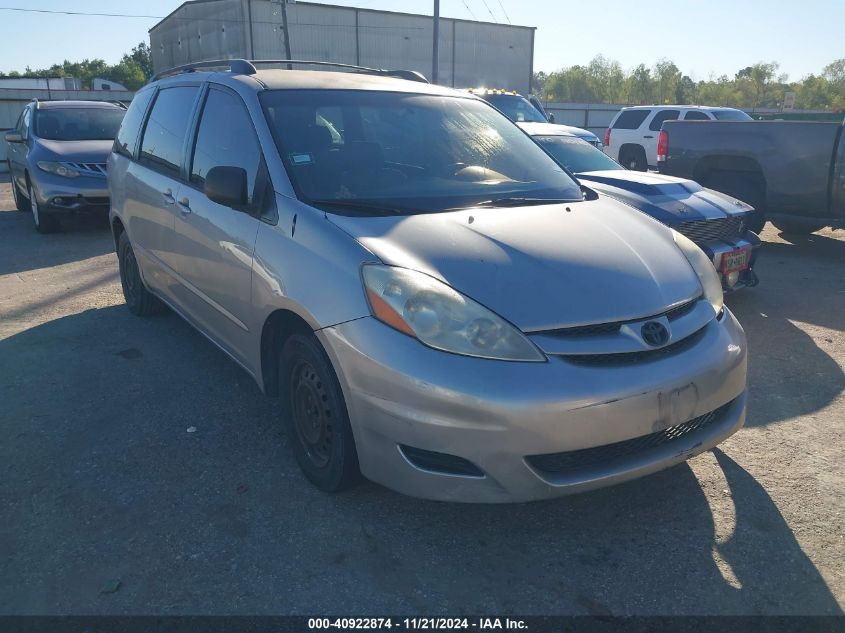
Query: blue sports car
[(713, 220)]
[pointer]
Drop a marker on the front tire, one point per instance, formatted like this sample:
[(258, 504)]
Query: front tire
[(139, 300), (43, 223), (315, 415)]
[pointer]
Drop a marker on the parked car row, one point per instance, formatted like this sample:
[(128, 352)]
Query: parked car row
[(437, 301)]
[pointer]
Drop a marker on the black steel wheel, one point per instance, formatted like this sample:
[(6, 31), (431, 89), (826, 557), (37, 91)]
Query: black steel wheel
[(139, 300), (315, 416)]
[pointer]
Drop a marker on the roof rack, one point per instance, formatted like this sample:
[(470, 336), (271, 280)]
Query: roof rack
[(119, 104), (245, 67), (410, 75), (236, 66)]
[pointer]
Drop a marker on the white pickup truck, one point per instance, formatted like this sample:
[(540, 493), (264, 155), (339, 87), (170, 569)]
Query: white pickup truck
[(631, 138)]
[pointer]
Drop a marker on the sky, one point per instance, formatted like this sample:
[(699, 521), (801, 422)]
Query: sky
[(703, 37)]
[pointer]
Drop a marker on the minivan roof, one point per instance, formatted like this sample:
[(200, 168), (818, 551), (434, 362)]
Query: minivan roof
[(280, 79)]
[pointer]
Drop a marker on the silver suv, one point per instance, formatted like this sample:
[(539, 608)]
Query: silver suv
[(436, 304), (57, 158)]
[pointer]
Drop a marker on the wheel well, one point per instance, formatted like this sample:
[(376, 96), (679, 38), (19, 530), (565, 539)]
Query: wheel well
[(277, 328), (631, 147), (117, 229)]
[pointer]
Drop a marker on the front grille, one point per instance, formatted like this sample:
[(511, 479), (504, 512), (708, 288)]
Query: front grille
[(631, 358), (573, 462), (88, 169), (603, 329), (710, 230), (440, 462)]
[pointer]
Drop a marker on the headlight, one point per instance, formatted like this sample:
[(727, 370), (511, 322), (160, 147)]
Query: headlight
[(703, 267), (442, 318), (57, 168)]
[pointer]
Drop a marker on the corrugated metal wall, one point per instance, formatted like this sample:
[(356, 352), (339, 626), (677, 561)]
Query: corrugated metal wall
[(471, 53)]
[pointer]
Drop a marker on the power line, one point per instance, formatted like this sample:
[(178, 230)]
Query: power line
[(507, 17), (489, 11), (470, 10), (201, 19)]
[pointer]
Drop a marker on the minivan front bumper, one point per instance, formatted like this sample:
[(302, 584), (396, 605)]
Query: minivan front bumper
[(530, 430)]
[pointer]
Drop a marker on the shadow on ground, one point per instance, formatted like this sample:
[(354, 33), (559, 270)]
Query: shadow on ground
[(789, 374), (103, 481), (79, 238)]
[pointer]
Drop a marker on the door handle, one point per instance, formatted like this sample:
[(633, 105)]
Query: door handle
[(168, 196), (648, 136), (184, 206)]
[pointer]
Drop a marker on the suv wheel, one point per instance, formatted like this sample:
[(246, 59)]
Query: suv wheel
[(21, 203), (43, 223), (314, 414), (633, 158), (139, 300)]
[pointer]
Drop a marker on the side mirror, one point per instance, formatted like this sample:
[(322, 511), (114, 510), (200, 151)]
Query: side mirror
[(14, 137), (551, 118), (227, 186)]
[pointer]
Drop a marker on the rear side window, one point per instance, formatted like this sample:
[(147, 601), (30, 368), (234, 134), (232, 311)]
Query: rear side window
[(167, 127), (127, 136), (660, 117), (631, 119), (225, 137), (731, 115), (695, 115)]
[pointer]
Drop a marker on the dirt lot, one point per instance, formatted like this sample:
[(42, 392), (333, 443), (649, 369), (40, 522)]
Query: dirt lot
[(108, 504)]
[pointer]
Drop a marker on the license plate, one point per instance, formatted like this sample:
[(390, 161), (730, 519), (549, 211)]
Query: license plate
[(735, 260)]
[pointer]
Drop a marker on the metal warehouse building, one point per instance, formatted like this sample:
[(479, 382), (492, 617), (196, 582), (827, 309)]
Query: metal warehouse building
[(471, 53)]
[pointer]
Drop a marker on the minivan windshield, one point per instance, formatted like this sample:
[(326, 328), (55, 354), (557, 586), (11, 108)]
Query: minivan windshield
[(78, 124), (576, 155), (369, 152)]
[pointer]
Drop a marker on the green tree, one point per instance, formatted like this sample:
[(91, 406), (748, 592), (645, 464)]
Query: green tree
[(142, 56), (640, 85), (667, 79)]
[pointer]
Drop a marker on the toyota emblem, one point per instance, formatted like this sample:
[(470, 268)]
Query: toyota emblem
[(655, 333)]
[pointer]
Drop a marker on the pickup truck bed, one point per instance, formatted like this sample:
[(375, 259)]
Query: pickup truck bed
[(793, 173)]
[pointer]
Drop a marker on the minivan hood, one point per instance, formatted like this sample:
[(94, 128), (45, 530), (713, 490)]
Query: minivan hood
[(669, 199), (78, 151), (544, 266)]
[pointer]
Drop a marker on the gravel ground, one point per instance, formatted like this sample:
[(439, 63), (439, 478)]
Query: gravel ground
[(109, 505)]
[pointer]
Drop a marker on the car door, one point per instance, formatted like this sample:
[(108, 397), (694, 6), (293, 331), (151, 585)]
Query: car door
[(650, 134), (152, 185), (17, 152), (215, 243)]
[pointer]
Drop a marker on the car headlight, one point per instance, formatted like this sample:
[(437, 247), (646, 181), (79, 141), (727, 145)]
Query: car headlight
[(703, 267), (439, 316), (57, 168)]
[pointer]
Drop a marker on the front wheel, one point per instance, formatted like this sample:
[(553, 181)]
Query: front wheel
[(139, 300), (315, 416), (43, 223)]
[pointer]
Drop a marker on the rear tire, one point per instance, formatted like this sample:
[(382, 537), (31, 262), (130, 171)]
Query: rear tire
[(795, 227), (315, 416), (633, 157), (139, 300), (21, 203), (745, 186)]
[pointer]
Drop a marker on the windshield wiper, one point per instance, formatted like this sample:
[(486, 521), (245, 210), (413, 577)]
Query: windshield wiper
[(514, 201), (367, 207)]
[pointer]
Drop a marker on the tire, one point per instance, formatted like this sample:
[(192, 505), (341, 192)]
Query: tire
[(43, 222), (21, 203), (139, 300), (796, 227), (315, 416), (745, 186), (633, 157)]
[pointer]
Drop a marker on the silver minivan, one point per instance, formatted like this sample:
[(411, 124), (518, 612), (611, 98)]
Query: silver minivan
[(436, 304)]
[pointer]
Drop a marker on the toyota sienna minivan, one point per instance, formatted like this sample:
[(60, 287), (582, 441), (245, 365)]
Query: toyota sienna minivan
[(436, 304)]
